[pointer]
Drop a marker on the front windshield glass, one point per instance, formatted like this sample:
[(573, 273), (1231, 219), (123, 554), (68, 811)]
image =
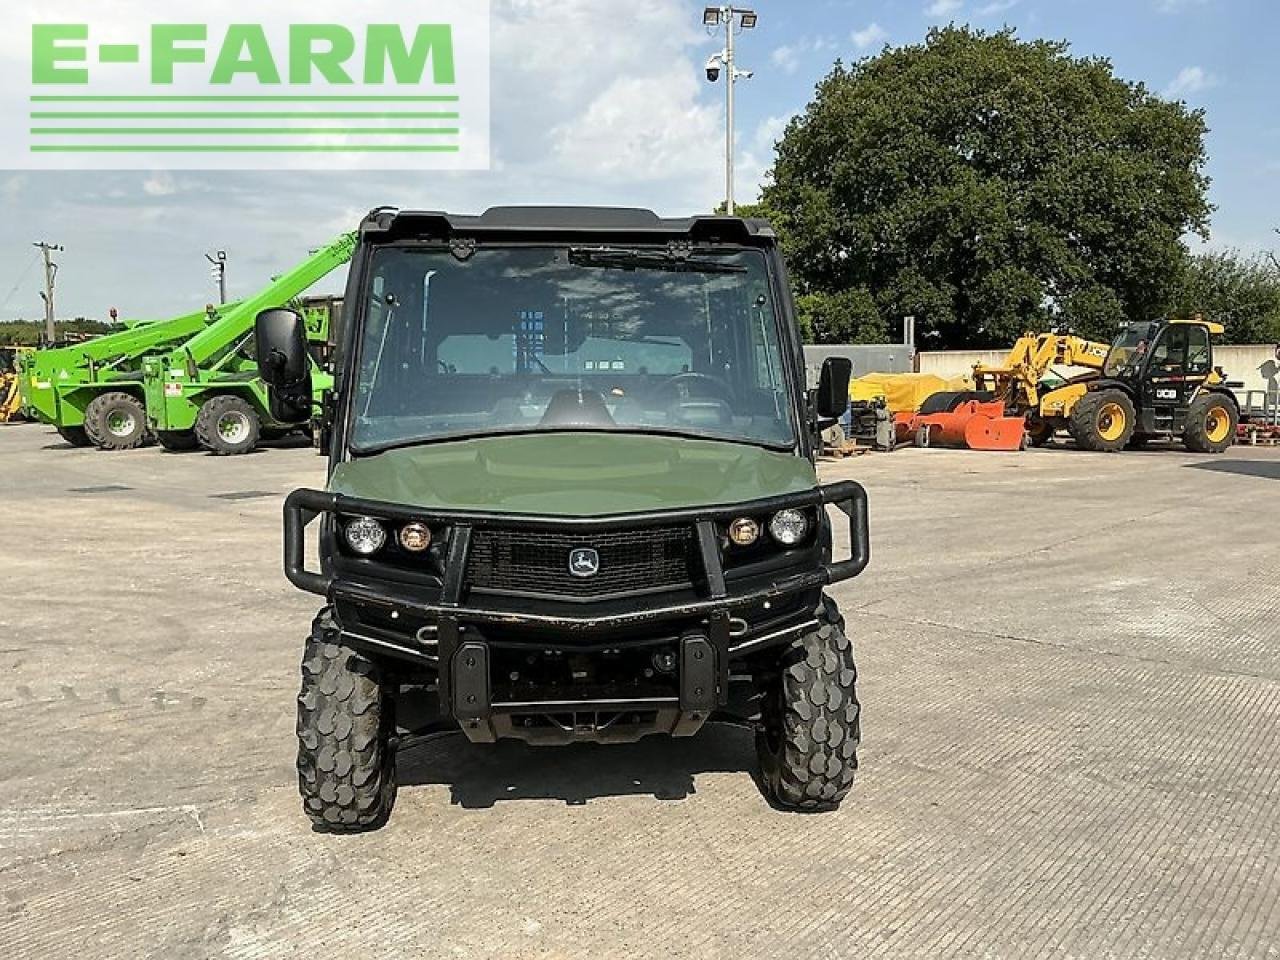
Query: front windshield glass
[(524, 339), (1128, 350)]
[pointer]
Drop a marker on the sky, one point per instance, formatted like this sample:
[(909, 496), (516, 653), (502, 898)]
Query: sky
[(601, 102)]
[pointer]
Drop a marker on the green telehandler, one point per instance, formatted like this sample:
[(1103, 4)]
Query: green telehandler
[(206, 392), (65, 386)]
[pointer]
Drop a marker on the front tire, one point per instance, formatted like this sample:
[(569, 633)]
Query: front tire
[(116, 421), (1103, 422), (1211, 424), (346, 761), (811, 720), (228, 426)]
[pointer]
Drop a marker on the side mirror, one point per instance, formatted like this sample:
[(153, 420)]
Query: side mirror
[(833, 388), (284, 363)]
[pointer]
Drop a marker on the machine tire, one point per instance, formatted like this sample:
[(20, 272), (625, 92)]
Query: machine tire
[(228, 426), (76, 436), (346, 760), (1093, 419), (810, 720), (116, 421), (1041, 432), (1211, 424), (178, 441)]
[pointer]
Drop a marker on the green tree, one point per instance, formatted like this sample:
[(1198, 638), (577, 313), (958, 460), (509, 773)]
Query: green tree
[(1242, 293), (988, 185)]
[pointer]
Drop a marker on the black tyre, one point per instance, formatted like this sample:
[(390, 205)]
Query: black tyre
[(948, 400), (1040, 432), (346, 761), (76, 436), (1103, 421), (178, 441), (810, 720), (1211, 424), (116, 421), (228, 426)]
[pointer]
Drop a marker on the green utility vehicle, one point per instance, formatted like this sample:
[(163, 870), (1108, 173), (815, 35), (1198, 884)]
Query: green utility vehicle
[(571, 497), (207, 392)]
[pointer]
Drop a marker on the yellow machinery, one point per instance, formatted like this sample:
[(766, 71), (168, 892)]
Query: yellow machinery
[(1027, 385), (10, 373), (1155, 381)]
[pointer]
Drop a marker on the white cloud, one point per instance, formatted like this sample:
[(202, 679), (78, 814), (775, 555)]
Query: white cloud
[(623, 133), (996, 6), (786, 58), (789, 57), (1190, 80), (943, 8), (12, 187), (873, 36), (160, 184)]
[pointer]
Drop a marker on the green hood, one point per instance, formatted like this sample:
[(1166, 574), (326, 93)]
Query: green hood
[(573, 474)]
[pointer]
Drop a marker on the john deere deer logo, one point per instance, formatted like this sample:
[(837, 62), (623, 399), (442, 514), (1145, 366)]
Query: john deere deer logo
[(584, 562)]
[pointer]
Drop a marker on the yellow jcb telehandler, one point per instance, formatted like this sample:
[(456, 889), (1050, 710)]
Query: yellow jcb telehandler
[(1155, 381)]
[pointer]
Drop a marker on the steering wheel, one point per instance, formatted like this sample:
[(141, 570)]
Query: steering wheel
[(680, 383)]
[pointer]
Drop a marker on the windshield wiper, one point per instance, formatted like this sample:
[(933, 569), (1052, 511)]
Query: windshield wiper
[(675, 260)]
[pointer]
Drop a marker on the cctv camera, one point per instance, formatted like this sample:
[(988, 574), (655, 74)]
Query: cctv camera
[(713, 69)]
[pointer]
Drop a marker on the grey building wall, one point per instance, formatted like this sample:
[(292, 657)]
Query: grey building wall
[(866, 358)]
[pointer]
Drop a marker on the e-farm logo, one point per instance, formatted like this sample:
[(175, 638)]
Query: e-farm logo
[(241, 93)]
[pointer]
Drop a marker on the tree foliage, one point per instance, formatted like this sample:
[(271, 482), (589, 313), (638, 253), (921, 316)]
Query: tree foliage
[(986, 185), (27, 333), (1242, 293)]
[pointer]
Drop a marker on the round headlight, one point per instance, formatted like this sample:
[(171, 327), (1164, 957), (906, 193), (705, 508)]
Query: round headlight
[(788, 527), (365, 535), (415, 537), (744, 531)]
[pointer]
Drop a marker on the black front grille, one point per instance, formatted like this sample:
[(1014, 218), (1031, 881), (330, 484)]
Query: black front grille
[(536, 562)]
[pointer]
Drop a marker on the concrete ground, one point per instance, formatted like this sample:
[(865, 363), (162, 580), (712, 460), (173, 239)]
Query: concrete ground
[(1071, 677)]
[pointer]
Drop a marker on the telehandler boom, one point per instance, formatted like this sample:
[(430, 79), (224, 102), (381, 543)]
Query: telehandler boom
[(207, 393)]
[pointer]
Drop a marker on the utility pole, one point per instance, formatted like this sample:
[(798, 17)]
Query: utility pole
[(734, 20), (219, 272), (50, 276)]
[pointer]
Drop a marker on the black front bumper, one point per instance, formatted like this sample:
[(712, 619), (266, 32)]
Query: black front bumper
[(453, 639)]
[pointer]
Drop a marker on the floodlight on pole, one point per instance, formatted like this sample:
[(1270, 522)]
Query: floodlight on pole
[(734, 20)]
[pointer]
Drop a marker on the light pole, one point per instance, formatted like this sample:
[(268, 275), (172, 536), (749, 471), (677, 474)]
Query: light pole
[(734, 20), (50, 273), (219, 272)]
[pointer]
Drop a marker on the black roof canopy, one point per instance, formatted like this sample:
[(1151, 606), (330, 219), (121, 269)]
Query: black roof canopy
[(600, 224)]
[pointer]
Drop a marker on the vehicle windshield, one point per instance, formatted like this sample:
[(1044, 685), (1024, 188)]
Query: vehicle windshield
[(538, 338), (1128, 350)]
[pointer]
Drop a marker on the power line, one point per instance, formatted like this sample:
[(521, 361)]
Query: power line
[(21, 277)]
